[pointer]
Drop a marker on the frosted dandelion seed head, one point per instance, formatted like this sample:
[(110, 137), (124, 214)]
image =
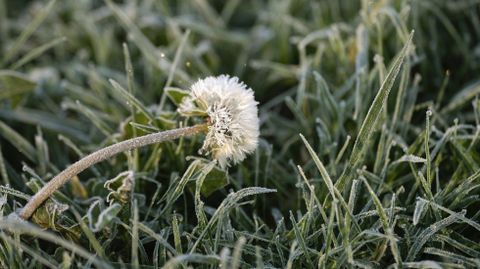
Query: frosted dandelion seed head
[(233, 125)]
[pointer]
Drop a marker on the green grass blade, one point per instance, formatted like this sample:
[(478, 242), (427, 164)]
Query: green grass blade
[(18, 141), (28, 31), (130, 99), (29, 229), (385, 223), (426, 234), (369, 124), (35, 53)]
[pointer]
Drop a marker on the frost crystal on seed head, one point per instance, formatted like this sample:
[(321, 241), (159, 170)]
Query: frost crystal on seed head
[(233, 117)]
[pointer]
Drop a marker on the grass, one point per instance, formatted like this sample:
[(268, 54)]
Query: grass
[(370, 123)]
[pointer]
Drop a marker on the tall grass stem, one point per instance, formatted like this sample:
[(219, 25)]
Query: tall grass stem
[(100, 155)]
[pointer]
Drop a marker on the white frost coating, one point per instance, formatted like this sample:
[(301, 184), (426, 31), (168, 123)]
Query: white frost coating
[(233, 117)]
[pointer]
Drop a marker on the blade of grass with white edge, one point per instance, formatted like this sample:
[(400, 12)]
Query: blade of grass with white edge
[(162, 241), (130, 99), (330, 238), (47, 121), (462, 97), (3, 169), (449, 256), (292, 255), (199, 209), (13, 192), (384, 221), (446, 239), (460, 216), (176, 234), (94, 243), (18, 141), (323, 171), (191, 258), (300, 239), (312, 193), (334, 192), (174, 192), (29, 30), (345, 235), (348, 219), (133, 155), (22, 248), (227, 204), (237, 252), (25, 228), (371, 120), (149, 51), (423, 237), (33, 54), (135, 235), (173, 67)]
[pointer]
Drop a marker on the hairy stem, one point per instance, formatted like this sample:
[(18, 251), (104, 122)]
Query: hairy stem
[(99, 156)]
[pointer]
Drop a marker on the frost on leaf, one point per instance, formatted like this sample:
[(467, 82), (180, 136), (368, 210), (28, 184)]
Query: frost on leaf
[(120, 187)]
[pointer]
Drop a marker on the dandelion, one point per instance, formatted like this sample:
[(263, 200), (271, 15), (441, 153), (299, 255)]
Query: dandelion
[(232, 116), (231, 129)]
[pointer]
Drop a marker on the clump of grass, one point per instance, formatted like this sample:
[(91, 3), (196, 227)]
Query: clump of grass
[(369, 134)]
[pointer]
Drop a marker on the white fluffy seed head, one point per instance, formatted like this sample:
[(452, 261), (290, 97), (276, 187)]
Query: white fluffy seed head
[(232, 115)]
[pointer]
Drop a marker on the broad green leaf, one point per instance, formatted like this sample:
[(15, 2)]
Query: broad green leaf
[(176, 95), (214, 180), (48, 214)]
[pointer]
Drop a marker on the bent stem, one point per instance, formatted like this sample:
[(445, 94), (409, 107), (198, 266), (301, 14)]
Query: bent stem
[(99, 156)]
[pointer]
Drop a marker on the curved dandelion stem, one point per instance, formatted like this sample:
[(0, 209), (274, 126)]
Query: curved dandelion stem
[(100, 155)]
